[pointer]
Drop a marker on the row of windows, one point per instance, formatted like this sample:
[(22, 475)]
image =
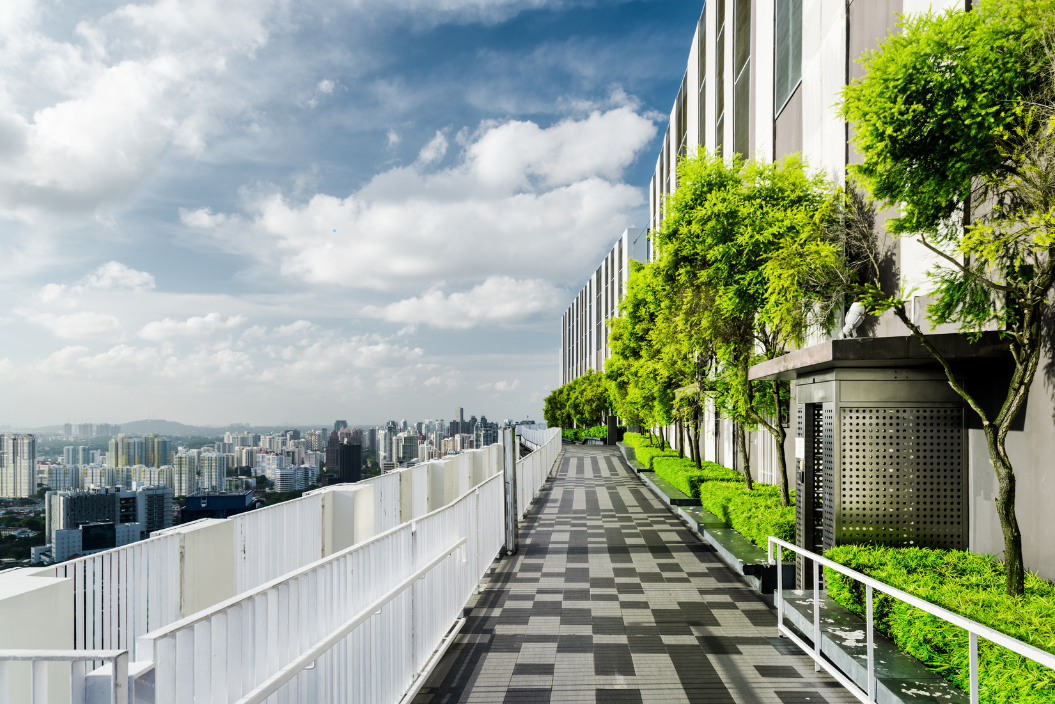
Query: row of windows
[(787, 76)]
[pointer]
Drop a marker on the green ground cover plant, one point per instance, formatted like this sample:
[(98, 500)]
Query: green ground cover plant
[(755, 514), (681, 472), (968, 584)]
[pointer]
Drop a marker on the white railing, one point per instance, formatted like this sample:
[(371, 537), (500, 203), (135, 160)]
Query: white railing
[(973, 628), (369, 617), (275, 540), (120, 594), (533, 469), (109, 685)]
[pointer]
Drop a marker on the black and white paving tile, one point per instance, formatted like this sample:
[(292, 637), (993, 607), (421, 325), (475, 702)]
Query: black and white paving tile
[(612, 599)]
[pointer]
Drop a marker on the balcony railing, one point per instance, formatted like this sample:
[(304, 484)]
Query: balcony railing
[(342, 595)]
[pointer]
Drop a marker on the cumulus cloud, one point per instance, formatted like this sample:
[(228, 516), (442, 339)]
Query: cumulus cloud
[(500, 385), (127, 86), (518, 196), (75, 325), (499, 299), (194, 328), (111, 276), (295, 328)]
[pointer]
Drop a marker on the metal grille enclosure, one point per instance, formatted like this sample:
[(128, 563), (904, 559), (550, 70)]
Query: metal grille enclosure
[(902, 478)]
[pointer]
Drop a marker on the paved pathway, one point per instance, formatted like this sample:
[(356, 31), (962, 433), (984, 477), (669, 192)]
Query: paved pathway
[(612, 599)]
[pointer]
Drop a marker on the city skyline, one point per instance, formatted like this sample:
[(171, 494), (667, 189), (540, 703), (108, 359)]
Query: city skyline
[(205, 245)]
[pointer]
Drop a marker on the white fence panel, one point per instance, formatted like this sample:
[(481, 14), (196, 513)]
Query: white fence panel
[(273, 541), (120, 594), (533, 469), (386, 501)]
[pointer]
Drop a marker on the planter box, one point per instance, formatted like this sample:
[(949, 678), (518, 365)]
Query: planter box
[(670, 495), (900, 678), (751, 561)]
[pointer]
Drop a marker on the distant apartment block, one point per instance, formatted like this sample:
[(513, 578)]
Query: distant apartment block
[(583, 327), (18, 466)]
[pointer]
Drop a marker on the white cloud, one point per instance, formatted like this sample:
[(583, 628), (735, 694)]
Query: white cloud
[(75, 325), (499, 299), (194, 328), (521, 201), (107, 102), (500, 385), (325, 86), (7, 370), (113, 276), (434, 150), (393, 138), (295, 328)]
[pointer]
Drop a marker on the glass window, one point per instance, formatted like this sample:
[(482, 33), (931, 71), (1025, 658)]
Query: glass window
[(742, 79), (788, 57), (702, 50), (719, 80)]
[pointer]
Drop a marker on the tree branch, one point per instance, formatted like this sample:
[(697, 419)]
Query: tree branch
[(962, 268)]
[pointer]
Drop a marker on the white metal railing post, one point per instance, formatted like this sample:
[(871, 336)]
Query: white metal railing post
[(509, 468), (974, 666), (780, 588), (816, 617), (870, 645)]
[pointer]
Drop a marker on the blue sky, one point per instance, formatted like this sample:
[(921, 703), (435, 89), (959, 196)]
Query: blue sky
[(273, 211)]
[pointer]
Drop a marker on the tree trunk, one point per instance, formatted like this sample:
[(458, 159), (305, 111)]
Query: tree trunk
[(746, 459), (696, 443), (780, 435), (1027, 359), (680, 426), (663, 437)]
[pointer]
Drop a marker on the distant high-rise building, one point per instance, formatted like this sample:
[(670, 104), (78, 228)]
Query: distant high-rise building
[(293, 434), (406, 447), (371, 439), (459, 415), (67, 431), (18, 465), (331, 450), (212, 471), (349, 462), (338, 425), (185, 473)]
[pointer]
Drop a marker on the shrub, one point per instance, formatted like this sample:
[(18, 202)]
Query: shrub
[(681, 472), (577, 434), (755, 514), (970, 585), (645, 452)]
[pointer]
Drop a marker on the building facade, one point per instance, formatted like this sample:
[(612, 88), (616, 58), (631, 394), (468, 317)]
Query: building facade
[(18, 466), (583, 327)]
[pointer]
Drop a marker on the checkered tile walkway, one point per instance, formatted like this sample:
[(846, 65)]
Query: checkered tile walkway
[(612, 599)]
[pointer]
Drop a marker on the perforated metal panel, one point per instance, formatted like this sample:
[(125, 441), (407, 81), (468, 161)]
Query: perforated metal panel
[(826, 472), (902, 478)]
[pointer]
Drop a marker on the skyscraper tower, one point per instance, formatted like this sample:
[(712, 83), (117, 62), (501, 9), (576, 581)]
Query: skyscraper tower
[(18, 466)]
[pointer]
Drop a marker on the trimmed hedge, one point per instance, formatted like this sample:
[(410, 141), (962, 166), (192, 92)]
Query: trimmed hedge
[(970, 585), (643, 451), (681, 472), (755, 514)]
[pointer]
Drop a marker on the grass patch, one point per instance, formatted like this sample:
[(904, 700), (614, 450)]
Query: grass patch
[(970, 585)]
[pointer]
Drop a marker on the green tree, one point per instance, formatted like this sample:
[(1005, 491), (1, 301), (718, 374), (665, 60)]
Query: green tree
[(954, 121), (732, 244), (639, 386)]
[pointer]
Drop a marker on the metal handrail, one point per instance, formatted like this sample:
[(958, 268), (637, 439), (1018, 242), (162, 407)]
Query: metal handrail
[(77, 658), (973, 628), (272, 684), (147, 640)]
